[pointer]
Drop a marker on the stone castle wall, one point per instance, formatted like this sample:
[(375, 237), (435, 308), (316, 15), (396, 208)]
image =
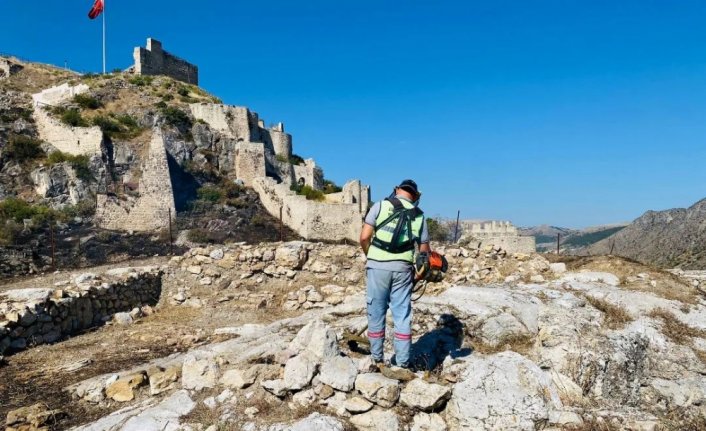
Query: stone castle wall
[(250, 161), (497, 234), (71, 140), (153, 60), (154, 208), (311, 219)]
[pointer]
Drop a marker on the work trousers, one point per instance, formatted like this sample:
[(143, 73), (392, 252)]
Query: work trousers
[(393, 290)]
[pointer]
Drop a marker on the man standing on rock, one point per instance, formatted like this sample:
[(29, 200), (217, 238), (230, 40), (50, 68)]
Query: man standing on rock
[(392, 228)]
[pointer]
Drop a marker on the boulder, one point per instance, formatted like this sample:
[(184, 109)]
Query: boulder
[(238, 379), (122, 389), (500, 328), (275, 387), (421, 395), (501, 391), (357, 405), (314, 422), (428, 422), (339, 373), (198, 374), (165, 380), (291, 255), (378, 389), (376, 420), (318, 339), (299, 371)]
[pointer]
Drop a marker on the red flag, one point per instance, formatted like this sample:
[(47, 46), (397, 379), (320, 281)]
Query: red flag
[(97, 9)]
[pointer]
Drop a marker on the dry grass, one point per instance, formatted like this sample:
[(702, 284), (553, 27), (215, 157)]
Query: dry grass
[(683, 419), (615, 316), (701, 355), (593, 424), (675, 329), (669, 286), (521, 344)]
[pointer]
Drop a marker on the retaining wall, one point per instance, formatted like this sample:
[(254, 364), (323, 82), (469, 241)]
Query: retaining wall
[(30, 317)]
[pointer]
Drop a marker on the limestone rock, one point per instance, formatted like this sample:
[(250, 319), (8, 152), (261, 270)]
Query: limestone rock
[(299, 371), (376, 420), (216, 254), (275, 387), (122, 389), (122, 318), (428, 422), (357, 405), (239, 379), (199, 373), (162, 381), (378, 389), (421, 395), (313, 422), (499, 328), (317, 338), (501, 391), (558, 268), (31, 418), (291, 255), (339, 373)]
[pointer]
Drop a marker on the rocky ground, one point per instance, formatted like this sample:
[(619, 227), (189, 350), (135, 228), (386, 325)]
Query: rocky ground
[(265, 337)]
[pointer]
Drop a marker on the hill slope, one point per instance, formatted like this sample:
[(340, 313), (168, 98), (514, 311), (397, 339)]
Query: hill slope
[(670, 238), (571, 239)]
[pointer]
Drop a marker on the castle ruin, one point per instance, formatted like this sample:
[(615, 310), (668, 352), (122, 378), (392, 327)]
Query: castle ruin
[(496, 234), (153, 60)]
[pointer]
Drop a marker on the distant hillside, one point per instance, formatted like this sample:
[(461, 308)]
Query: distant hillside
[(671, 238), (571, 239)]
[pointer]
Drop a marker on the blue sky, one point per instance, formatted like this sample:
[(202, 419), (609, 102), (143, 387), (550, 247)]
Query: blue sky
[(570, 113)]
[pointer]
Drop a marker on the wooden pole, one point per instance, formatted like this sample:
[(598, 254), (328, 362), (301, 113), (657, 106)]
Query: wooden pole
[(171, 238), (281, 225), (458, 217), (51, 233), (558, 242)]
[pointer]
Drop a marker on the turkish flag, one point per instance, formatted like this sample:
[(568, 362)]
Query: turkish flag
[(97, 9)]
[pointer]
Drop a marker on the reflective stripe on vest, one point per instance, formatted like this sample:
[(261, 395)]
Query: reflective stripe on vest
[(385, 234)]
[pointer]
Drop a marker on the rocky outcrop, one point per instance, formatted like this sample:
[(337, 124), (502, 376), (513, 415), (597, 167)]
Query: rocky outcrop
[(60, 183), (671, 238)]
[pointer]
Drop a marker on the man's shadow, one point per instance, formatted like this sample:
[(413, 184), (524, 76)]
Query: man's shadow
[(432, 348)]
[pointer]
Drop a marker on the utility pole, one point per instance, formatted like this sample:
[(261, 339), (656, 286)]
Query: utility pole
[(558, 242)]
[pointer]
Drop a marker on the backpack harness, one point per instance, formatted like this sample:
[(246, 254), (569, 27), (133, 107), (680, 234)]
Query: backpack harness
[(404, 217)]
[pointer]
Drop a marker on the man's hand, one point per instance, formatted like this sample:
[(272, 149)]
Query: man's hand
[(366, 235)]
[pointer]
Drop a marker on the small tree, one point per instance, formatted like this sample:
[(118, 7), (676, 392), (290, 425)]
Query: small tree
[(438, 231)]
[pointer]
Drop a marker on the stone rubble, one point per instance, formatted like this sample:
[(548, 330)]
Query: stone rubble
[(493, 356)]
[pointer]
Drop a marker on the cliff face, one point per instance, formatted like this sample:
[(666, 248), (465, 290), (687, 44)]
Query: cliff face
[(671, 238)]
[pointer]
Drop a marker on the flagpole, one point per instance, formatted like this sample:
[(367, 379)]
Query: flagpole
[(103, 37)]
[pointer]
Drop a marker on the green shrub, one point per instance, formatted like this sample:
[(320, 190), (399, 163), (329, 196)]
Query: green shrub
[(78, 163), (161, 105), (141, 80), (198, 235), (183, 91), (84, 208), (9, 231), (22, 148), (107, 125), (308, 192), (72, 117), (210, 193), (175, 116), (15, 209), (86, 101), (236, 203), (331, 187), (438, 231), (127, 121), (117, 71), (167, 97), (296, 160)]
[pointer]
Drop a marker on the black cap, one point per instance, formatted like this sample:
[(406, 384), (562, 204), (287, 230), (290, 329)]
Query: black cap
[(409, 186)]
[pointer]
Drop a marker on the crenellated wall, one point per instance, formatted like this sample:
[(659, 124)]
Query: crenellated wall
[(153, 60)]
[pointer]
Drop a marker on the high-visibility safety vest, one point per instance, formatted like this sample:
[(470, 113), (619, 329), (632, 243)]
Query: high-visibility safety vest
[(398, 228)]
